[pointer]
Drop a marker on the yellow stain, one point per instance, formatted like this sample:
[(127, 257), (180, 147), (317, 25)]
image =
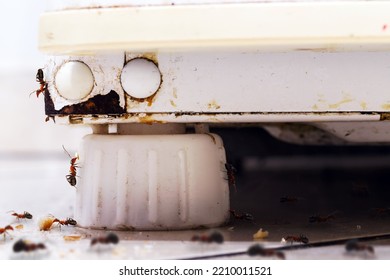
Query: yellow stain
[(213, 105), (338, 104)]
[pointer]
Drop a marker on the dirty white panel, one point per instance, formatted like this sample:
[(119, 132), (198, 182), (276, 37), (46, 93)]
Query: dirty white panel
[(272, 82), (226, 82)]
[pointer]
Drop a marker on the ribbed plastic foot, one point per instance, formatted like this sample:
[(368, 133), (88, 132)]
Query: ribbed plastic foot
[(152, 182)]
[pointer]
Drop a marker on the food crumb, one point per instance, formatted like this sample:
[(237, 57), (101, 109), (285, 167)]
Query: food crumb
[(260, 234)]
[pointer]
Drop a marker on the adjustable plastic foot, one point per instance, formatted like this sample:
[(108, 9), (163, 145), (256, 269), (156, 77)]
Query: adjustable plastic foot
[(152, 182)]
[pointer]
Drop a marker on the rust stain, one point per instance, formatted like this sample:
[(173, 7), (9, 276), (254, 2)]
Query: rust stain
[(213, 105), (150, 100), (99, 104), (148, 119), (386, 106)]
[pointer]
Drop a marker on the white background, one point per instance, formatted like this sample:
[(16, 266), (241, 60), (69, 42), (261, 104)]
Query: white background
[(24, 128)]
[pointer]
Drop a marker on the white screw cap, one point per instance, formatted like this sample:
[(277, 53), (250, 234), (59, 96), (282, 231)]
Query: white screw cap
[(140, 78), (74, 80)]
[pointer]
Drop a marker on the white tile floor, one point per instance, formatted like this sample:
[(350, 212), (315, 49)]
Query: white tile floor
[(38, 185)]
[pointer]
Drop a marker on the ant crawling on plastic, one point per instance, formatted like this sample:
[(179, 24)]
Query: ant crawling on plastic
[(109, 238), (71, 177), (231, 175), (67, 222), (22, 245), (258, 250), (42, 83), (241, 216), (298, 239), (24, 215), (46, 223), (214, 237), (354, 246)]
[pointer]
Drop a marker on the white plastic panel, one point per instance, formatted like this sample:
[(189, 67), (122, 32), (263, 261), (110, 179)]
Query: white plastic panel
[(269, 26), (251, 82)]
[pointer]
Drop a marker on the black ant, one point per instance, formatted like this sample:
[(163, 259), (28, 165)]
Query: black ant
[(40, 79), (321, 219), (231, 175), (214, 237), (241, 216), (25, 215), (67, 222), (22, 245), (71, 177), (109, 238), (299, 239), (258, 250), (354, 245)]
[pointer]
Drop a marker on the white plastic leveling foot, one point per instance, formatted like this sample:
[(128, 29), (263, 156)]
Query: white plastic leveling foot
[(152, 182)]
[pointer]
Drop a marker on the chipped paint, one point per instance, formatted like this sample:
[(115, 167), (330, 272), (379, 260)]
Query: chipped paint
[(99, 104)]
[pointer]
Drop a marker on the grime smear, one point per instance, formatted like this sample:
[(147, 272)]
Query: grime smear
[(385, 117), (172, 103), (213, 105), (174, 92), (151, 56), (363, 105), (338, 104), (384, 27), (386, 106), (148, 119)]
